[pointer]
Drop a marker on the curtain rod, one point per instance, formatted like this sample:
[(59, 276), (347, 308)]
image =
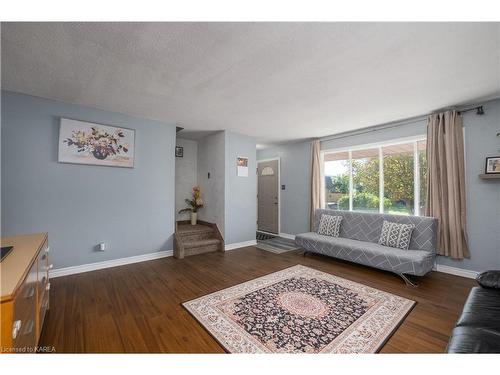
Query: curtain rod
[(408, 121), (375, 128), (479, 110)]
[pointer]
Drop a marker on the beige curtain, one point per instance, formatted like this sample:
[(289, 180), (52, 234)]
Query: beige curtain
[(315, 180), (446, 182)]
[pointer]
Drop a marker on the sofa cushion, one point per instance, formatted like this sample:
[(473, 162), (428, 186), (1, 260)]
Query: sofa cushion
[(396, 235), (481, 309), (415, 262), (329, 225), (474, 340), (489, 279)]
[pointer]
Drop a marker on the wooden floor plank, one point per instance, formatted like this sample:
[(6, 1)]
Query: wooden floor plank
[(137, 308)]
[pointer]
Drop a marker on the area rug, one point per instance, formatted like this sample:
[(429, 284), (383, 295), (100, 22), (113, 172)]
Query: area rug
[(261, 236), (277, 245), (300, 310)]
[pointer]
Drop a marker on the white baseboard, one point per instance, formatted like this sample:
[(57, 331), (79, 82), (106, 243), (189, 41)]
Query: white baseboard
[(286, 235), (237, 245), (109, 263), (265, 232), (455, 271), (168, 253)]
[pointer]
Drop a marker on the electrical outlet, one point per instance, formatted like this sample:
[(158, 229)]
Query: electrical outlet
[(102, 246)]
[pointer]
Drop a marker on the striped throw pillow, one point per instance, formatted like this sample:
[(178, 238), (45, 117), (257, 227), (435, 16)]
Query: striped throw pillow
[(396, 235), (329, 225)]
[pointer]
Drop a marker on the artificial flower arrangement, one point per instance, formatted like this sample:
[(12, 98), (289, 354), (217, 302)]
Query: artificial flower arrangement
[(194, 204), (99, 143)]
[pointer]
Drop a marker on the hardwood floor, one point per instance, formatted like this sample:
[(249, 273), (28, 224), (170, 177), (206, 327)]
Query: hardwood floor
[(137, 308)]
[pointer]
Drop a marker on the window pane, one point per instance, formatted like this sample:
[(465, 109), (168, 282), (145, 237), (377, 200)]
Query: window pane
[(365, 178), (337, 181), (398, 179), (422, 163)]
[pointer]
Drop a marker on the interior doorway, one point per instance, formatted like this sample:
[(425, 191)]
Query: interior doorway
[(268, 195)]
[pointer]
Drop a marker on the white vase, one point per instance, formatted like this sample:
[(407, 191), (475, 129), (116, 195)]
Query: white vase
[(194, 218)]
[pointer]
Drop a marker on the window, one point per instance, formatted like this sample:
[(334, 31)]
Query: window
[(386, 178), (337, 171), (365, 180), (267, 171), (422, 174), (399, 180)]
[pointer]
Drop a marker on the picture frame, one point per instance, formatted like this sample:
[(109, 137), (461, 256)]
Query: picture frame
[(242, 166), (89, 143), (179, 151), (492, 165)]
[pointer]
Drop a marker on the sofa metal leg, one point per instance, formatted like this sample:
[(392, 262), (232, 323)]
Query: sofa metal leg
[(407, 280)]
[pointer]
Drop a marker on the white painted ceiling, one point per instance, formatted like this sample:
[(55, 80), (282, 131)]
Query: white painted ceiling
[(274, 81)]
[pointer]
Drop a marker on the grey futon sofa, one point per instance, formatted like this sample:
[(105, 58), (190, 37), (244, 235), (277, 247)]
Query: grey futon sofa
[(358, 242)]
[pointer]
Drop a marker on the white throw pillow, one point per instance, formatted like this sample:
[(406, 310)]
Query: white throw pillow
[(329, 225), (396, 235)]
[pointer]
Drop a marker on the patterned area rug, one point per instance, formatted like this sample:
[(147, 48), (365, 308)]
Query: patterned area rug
[(261, 236), (277, 245), (300, 310)]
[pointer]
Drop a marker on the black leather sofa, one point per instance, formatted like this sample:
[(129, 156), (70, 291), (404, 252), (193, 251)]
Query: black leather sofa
[(478, 328)]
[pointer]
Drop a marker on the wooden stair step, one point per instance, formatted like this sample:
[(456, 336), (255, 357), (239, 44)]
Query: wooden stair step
[(196, 239), (201, 243), (196, 236), (198, 228), (193, 237), (202, 246)]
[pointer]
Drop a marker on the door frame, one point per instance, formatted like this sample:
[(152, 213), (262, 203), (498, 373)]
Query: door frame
[(279, 192)]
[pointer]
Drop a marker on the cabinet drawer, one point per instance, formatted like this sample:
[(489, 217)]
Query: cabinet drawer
[(24, 315)]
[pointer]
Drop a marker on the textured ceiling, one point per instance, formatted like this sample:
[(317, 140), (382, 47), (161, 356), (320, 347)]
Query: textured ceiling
[(274, 81)]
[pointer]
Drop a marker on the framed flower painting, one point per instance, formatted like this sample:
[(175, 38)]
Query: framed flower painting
[(88, 143)]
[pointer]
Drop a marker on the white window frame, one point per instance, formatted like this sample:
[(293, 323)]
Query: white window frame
[(379, 146)]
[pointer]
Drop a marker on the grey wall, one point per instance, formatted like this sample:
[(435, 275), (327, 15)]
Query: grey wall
[(185, 175), (240, 192), (483, 197), (211, 154), (295, 168), (230, 201), (79, 205)]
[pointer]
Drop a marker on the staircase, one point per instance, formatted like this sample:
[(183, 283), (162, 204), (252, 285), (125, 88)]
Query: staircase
[(196, 239)]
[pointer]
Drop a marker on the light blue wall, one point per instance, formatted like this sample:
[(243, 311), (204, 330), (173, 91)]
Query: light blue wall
[(230, 201), (295, 174), (211, 159), (483, 197), (185, 175), (240, 192), (79, 205)]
